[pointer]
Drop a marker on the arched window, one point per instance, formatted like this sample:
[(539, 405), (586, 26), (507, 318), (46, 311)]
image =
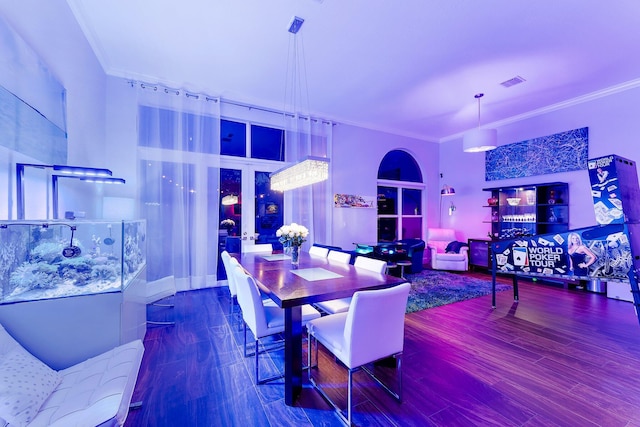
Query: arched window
[(400, 190)]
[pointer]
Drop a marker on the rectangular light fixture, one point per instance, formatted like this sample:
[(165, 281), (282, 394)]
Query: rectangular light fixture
[(81, 171), (306, 172), (64, 170), (105, 180)]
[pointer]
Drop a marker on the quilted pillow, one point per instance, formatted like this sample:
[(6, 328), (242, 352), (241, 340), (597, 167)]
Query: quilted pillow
[(25, 383)]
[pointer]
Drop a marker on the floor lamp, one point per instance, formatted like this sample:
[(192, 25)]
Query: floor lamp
[(446, 191)]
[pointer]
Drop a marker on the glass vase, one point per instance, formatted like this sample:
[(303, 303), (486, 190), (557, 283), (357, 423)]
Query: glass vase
[(295, 255)]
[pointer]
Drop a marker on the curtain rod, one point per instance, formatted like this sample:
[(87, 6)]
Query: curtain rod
[(169, 90)]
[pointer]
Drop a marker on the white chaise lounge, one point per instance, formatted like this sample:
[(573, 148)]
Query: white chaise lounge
[(96, 392)]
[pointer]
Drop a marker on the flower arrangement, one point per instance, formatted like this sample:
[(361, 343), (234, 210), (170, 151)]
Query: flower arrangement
[(228, 223), (292, 235)]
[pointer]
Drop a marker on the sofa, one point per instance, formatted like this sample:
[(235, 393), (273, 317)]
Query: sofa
[(95, 392), (441, 239)]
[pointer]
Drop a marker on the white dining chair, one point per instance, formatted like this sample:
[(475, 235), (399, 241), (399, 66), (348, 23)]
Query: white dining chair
[(339, 256), (229, 263), (341, 305), (318, 251), (372, 329), (262, 319), (371, 264), (261, 247)]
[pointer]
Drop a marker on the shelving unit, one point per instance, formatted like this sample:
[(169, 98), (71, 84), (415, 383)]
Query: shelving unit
[(528, 210)]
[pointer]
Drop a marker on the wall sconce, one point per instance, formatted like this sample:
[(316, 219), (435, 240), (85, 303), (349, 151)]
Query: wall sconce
[(75, 171), (446, 191), (306, 172)]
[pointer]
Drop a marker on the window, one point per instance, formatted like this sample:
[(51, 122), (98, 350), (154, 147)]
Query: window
[(400, 192), (267, 143), (233, 138)]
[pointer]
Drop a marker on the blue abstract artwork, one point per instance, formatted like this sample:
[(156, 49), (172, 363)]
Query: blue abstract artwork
[(561, 152)]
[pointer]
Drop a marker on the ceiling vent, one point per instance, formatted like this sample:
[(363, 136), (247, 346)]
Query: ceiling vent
[(513, 81)]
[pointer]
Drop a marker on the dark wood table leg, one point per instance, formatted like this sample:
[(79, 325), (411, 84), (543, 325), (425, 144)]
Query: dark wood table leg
[(292, 354)]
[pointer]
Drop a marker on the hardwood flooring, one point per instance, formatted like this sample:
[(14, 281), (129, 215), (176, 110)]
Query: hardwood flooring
[(559, 357)]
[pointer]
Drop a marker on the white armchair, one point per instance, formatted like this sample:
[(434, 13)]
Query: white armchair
[(437, 241)]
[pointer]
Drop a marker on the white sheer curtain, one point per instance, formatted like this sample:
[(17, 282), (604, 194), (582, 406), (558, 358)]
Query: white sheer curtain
[(310, 205), (178, 176)]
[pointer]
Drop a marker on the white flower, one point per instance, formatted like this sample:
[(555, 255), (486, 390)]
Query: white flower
[(292, 235)]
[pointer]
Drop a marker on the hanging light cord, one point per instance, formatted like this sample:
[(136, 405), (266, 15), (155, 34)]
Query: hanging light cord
[(478, 96)]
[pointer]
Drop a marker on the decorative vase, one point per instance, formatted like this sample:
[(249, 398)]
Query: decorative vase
[(295, 255)]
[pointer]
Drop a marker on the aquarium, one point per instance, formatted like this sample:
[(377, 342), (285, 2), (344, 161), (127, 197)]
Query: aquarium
[(55, 259)]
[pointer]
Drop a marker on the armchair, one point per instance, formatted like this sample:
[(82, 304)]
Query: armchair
[(437, 240), (415, 251)]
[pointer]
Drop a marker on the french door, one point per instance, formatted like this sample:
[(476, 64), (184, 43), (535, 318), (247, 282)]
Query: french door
[(250, 213)]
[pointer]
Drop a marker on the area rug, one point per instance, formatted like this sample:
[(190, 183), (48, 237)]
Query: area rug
[(431, 288)]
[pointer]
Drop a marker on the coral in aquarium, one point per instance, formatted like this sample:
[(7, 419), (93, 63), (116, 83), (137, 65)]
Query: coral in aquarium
[(39, 262), (8, 258), (47, 252), (76, 270), (105, 272), (132, 254), (28, 277)]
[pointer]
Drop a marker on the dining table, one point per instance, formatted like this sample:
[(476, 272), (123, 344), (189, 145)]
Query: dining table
[(313, 280)]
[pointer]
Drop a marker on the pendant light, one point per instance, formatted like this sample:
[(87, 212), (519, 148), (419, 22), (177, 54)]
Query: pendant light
[(309, 170), (477, 140)]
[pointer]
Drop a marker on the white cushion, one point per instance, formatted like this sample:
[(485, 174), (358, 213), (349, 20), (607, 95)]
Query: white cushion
[(329, 330), (438, 245), (335, 305), (25, 384), (275, 317), (95, 391), (452, 257)]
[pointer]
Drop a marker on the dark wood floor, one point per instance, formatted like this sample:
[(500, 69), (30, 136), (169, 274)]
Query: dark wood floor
[(559, 357)]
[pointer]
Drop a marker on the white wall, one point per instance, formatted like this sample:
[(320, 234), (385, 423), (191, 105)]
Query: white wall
[(52, 32), (355, 159), (613, 129)]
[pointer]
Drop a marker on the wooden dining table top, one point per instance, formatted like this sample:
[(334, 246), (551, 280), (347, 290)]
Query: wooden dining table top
[(315, 279)]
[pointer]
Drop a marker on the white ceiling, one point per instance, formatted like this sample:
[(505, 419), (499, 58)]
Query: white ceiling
[(410, 67)]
